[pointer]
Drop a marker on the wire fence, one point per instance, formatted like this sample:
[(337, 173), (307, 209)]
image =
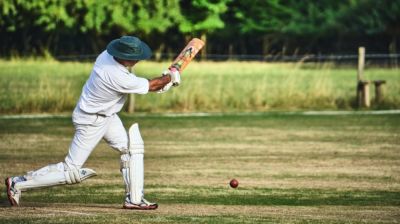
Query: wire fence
[(379, 59)]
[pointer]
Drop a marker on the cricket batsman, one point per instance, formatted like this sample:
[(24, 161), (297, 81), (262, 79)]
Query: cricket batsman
[(95, 117)]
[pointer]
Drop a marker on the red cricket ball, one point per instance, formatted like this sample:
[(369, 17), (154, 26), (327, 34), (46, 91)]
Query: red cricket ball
[(234, 183)]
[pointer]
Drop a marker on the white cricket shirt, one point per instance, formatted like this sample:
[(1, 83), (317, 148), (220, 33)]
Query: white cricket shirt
[(106, 90)]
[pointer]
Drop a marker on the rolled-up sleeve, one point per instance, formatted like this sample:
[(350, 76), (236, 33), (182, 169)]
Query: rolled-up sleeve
[(134, 84), (123, 82)]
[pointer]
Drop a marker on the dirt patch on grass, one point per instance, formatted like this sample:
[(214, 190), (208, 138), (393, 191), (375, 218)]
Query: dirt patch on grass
[(323, 213)]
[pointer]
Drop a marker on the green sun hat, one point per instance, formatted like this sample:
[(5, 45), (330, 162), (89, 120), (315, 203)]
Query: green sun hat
[(129, 48)]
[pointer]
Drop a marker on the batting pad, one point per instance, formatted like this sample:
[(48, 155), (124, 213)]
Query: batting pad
[(136, 167), (54, 174)]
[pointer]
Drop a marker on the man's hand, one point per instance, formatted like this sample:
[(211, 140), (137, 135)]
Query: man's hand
[(175, 76), (175, 79), (168, 79), (165, 88)]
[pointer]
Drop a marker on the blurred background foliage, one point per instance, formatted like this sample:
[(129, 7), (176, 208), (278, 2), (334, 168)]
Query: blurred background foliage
[(285, 27)]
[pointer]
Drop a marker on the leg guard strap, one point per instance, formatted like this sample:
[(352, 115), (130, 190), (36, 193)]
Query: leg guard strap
[(72, 176), (54, 174)]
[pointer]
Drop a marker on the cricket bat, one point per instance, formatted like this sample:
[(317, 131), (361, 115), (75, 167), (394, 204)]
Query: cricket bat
[(187, 54)]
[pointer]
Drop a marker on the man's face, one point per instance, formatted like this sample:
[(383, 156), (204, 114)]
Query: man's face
[(130, 64), (126, 63)]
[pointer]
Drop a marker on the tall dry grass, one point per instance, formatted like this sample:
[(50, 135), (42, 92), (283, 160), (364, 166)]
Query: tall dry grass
[(28, 86)]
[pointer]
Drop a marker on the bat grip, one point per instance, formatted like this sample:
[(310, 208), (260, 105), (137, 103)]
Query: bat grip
[(172, 68)]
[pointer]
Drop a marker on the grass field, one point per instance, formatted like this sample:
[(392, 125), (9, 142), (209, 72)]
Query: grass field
[(292, 168), (50, 86)]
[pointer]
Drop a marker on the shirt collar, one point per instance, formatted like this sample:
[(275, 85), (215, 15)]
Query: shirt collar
[(116, 63)]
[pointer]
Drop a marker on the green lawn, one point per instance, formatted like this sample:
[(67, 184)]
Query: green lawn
[(292, 168), (50, 86)]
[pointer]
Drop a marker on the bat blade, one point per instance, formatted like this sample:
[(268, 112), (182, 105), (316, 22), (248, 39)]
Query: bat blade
[(187, 54)]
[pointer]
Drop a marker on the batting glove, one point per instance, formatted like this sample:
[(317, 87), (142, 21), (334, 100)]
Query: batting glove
[(175, 79), (175, 76), (165, 88)]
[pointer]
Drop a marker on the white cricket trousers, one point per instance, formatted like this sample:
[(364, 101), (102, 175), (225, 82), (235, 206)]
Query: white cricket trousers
[(89, 130)]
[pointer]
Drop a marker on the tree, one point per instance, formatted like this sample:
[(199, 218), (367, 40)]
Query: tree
[(40, 26), (369, 18), (31, 24), (30, 27), (202, 17), (280, 21)]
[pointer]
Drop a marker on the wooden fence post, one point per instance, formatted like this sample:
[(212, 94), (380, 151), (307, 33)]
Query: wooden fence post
[(362, 85), (365, 94), (131, 103), (379, 90), (361, 63)]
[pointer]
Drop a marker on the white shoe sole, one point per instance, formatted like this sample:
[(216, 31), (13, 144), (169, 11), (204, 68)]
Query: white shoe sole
[(138, 207)]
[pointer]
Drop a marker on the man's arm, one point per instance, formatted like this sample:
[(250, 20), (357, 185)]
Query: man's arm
[(170, 77), (158, 83)]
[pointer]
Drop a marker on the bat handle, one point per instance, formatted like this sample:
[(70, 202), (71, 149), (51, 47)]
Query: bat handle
[(173, 68)]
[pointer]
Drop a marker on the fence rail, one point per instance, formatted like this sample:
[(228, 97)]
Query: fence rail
[(389, 59)]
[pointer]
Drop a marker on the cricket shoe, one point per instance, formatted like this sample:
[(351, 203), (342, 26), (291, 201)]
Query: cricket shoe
[(13, 193), (143, 205)]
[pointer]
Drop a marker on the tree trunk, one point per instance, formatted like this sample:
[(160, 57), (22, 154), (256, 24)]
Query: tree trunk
[(159, 51), (393, 51), (230, 51), (204, 50), (266, 45)]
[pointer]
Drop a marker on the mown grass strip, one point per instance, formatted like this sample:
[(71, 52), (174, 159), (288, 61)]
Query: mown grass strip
[(112, 194)]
